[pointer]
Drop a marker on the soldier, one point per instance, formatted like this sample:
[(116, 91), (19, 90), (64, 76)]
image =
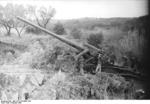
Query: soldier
[(99, 63), (80, 65)]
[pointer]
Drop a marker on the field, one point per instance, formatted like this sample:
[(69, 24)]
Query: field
[(40, 67)]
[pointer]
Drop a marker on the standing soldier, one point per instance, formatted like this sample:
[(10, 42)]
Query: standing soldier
[(80, 65), (99, 63)]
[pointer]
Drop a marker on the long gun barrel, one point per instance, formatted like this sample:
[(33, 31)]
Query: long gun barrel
[(73, 44)]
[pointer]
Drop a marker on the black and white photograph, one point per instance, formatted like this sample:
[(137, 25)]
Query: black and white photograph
[(74, 50)]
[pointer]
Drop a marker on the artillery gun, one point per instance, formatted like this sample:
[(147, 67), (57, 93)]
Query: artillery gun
[(85, 50)]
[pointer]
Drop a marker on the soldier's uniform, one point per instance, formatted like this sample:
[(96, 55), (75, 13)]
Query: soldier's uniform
[(99, 63), (79, 65)]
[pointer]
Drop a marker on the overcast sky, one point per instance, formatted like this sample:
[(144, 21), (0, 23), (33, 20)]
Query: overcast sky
[(69, 9)]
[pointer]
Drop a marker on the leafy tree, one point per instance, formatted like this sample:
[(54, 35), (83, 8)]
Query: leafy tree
[(8, 18), (45, 15), (95, 39), (59, 29), (42, 15)]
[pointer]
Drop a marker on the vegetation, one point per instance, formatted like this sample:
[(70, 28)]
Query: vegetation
[(43, 15), (76, 33), (52, 71), (59, 29), (8, 18), (33, 30), (9, 12), (95, 39)]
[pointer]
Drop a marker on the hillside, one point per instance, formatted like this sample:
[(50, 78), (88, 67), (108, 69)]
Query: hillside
[(91, 23)]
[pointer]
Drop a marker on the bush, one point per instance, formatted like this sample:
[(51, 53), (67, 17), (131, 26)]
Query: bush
[(52, 59), (76, 33), (33, 30), (7, 81), (59, 29), (91, 86), (95, 39)]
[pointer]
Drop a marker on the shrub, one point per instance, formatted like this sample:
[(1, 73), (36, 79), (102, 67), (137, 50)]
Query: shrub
[(76, 33), (52, 59), (128, 48), (133, 42), (33, 30), (7, 81), (95, 39), (59, 29)]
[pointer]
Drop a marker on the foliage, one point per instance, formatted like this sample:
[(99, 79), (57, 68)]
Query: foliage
[(76, 33), (19, 10), (95, 39), (33, 30), (69, 86), (127, 49), (134, 45), (54, 60), (8, 18), (31, 10), (7, 81), (133, 42), (91, 23), (45, 16), (42, 15), (59, 29)]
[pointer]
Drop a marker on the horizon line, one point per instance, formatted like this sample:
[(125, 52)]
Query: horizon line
[(98, 17)]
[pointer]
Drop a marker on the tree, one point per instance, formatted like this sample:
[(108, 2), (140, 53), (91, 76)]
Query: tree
[(31, 12), (59, 29), (45, 15), (42, 15), (8, 18), (19, 26)]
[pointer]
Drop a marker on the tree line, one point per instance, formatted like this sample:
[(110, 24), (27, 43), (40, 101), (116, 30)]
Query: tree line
[(41, 15)]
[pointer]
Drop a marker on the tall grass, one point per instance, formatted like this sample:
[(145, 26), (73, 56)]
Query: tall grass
[(133, 42), (129, 45)]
